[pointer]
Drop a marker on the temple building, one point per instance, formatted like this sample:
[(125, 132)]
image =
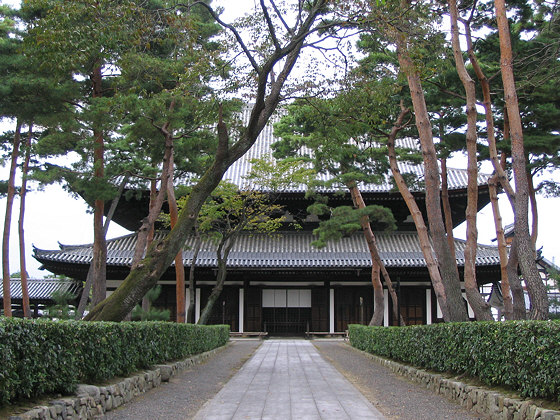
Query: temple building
[(279, 283)]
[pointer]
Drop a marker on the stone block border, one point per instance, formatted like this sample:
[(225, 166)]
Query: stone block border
[(92, 402), (494, 405)]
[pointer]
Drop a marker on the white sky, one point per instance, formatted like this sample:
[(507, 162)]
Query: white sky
[(53, 216)]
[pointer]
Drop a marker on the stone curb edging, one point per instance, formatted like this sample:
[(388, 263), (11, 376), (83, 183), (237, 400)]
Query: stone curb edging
[(490, 403), (92, 402)]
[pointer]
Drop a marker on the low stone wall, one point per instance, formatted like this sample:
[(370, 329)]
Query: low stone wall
[(92, 402), (491, 403)]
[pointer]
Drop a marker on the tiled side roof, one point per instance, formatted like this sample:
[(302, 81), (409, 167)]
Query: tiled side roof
[(281, 250), (41, 289)]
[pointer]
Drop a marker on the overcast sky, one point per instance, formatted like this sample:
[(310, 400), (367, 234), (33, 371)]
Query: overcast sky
[(53, 216)]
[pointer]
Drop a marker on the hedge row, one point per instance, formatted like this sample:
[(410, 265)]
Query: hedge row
[(40, 356), (522, 355)]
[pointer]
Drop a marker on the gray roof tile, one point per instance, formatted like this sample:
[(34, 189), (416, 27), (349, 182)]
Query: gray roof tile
[(282, 250), (41, 289), (457, 178)]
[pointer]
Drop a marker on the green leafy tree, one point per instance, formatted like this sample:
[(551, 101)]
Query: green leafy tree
[(404, 49), (228, 213), (231, 210), (168, 108)]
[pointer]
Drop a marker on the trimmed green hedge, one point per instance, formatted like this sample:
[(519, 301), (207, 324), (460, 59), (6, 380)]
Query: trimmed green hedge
[(523, 355), (40, 356)]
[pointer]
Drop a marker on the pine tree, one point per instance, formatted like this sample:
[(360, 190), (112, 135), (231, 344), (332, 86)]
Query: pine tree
[(27, 95), (329, 134), (78, 42), (281, 50)]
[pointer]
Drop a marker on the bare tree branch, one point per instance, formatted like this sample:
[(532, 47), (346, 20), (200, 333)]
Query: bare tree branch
[(270, 25), (279, 14), (234, 31)]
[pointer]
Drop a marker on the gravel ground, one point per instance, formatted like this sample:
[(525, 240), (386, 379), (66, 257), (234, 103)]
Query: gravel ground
[(184, 394), (394, 396)]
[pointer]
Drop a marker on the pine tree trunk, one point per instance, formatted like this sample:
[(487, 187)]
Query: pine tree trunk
[(516, 288), (517, 293), (487, 102), (151, 206), (534, 210), (179, 267), (99, 260), (192, 298), (515, 283), (377, 262), (447, 207), (21, 230), (502, 249), (379, 306), (99, 255), (378, 298), (480, 307), (446, 262), (416, 214), (89, 278), (8, 222), (146, 229), (526, 250), (145, 304)]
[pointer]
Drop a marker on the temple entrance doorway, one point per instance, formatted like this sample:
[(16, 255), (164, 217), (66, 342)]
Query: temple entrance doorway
[(286, 311)]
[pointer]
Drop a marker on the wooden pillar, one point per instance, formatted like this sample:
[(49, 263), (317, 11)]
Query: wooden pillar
[(197, 305), (428, 306), (187, 300), (241, 309), (386, 308), (331, 310)]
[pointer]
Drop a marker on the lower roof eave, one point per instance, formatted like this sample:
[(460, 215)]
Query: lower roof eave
[(486, 273)]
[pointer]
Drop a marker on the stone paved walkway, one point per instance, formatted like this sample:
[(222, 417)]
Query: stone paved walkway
[(288, 379)]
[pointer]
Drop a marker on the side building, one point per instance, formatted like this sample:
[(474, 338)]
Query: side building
[(42, 294)]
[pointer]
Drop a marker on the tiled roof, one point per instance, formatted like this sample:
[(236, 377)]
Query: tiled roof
[(509, 230), (457, 178), (41, 289), (281, 250)]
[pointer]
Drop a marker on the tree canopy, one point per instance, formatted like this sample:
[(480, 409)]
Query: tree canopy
[(153, 90)]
